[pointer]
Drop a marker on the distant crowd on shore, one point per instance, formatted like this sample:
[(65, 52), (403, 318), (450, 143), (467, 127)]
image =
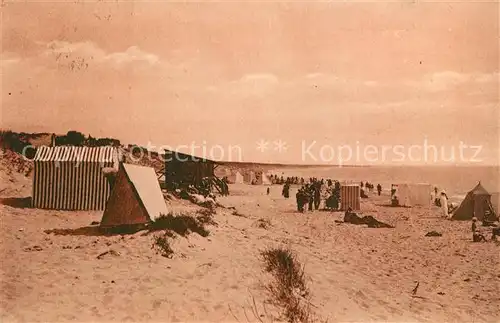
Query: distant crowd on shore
[(313, 191)]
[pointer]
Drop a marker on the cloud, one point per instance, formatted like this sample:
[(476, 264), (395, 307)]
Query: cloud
[(487, 78), (443, 80), (370, 83), (266, 77), (314, 75), (9, 59), (91, 51), (133, 54), (328, 79), (446, 80), (250, 85)]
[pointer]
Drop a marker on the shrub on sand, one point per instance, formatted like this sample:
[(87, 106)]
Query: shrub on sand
[(263, 223), (288, 288), (205, 216), (162, 246), (181, 224)]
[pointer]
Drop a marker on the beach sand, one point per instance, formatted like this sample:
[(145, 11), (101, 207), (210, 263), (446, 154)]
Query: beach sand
[(355, 273)]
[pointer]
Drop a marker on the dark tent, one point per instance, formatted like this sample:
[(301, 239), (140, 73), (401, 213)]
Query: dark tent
[(477, 203)]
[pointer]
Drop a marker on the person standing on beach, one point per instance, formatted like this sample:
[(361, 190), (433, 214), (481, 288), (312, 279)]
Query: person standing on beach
[(308, 197), (379, 189), (435, 197), (300, 200), (444, 203), (287, 190), (317, 195)]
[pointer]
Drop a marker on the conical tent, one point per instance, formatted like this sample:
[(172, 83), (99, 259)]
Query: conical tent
[(235, 178), (477, 203), (262, 179), (136, 198)]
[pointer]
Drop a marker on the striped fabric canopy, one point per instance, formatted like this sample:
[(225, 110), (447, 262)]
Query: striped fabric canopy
[(71, 178), (104, 154), (350, 197)]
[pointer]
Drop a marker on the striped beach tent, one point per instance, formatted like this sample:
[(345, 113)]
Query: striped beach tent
[(71, 178), (350, 197)]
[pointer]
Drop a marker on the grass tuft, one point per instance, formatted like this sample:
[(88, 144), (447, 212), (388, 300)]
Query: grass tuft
[(162, 246), (181, 224), (288, 288), (205, 216)]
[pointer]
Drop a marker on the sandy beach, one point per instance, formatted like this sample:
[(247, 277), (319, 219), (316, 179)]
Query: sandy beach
[(355, 273), (146, 149)]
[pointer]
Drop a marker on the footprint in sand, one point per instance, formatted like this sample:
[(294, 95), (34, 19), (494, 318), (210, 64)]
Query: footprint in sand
[(107, 299), (128, 319), (145, 317), (359, 294), (363, 305), (393, 310), (157, 303)]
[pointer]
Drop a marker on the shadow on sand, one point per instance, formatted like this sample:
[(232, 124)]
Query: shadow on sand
[(96, 231), (17, 202), (390, 205)]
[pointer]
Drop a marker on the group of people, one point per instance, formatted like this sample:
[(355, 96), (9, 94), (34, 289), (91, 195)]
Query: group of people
[(310, 195), (275, 179), (441, 200)]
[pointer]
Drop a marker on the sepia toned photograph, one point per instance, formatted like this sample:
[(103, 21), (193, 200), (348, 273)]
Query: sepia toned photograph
[(250, 161)]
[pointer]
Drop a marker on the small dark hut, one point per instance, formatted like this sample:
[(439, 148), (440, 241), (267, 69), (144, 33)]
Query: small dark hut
[(182, 170)]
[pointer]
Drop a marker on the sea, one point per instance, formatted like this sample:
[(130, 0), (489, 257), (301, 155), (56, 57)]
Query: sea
[(455, 180)]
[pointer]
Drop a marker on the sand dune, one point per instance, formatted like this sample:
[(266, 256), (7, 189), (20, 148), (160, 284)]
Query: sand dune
[(355, 273)]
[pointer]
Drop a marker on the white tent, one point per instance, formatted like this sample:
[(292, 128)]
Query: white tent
[(136, 198), (413, 194), (262, 179), (235, 178)]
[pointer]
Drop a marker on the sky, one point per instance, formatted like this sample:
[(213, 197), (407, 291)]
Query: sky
[(283, 82)]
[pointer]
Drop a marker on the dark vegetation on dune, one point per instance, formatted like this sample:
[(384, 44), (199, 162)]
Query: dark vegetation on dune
[(162, 246), (17, 141), (181, 224)]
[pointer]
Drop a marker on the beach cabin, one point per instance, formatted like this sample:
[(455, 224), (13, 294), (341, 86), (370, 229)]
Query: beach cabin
[(71, 178), (183, 169), (350, 197)]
